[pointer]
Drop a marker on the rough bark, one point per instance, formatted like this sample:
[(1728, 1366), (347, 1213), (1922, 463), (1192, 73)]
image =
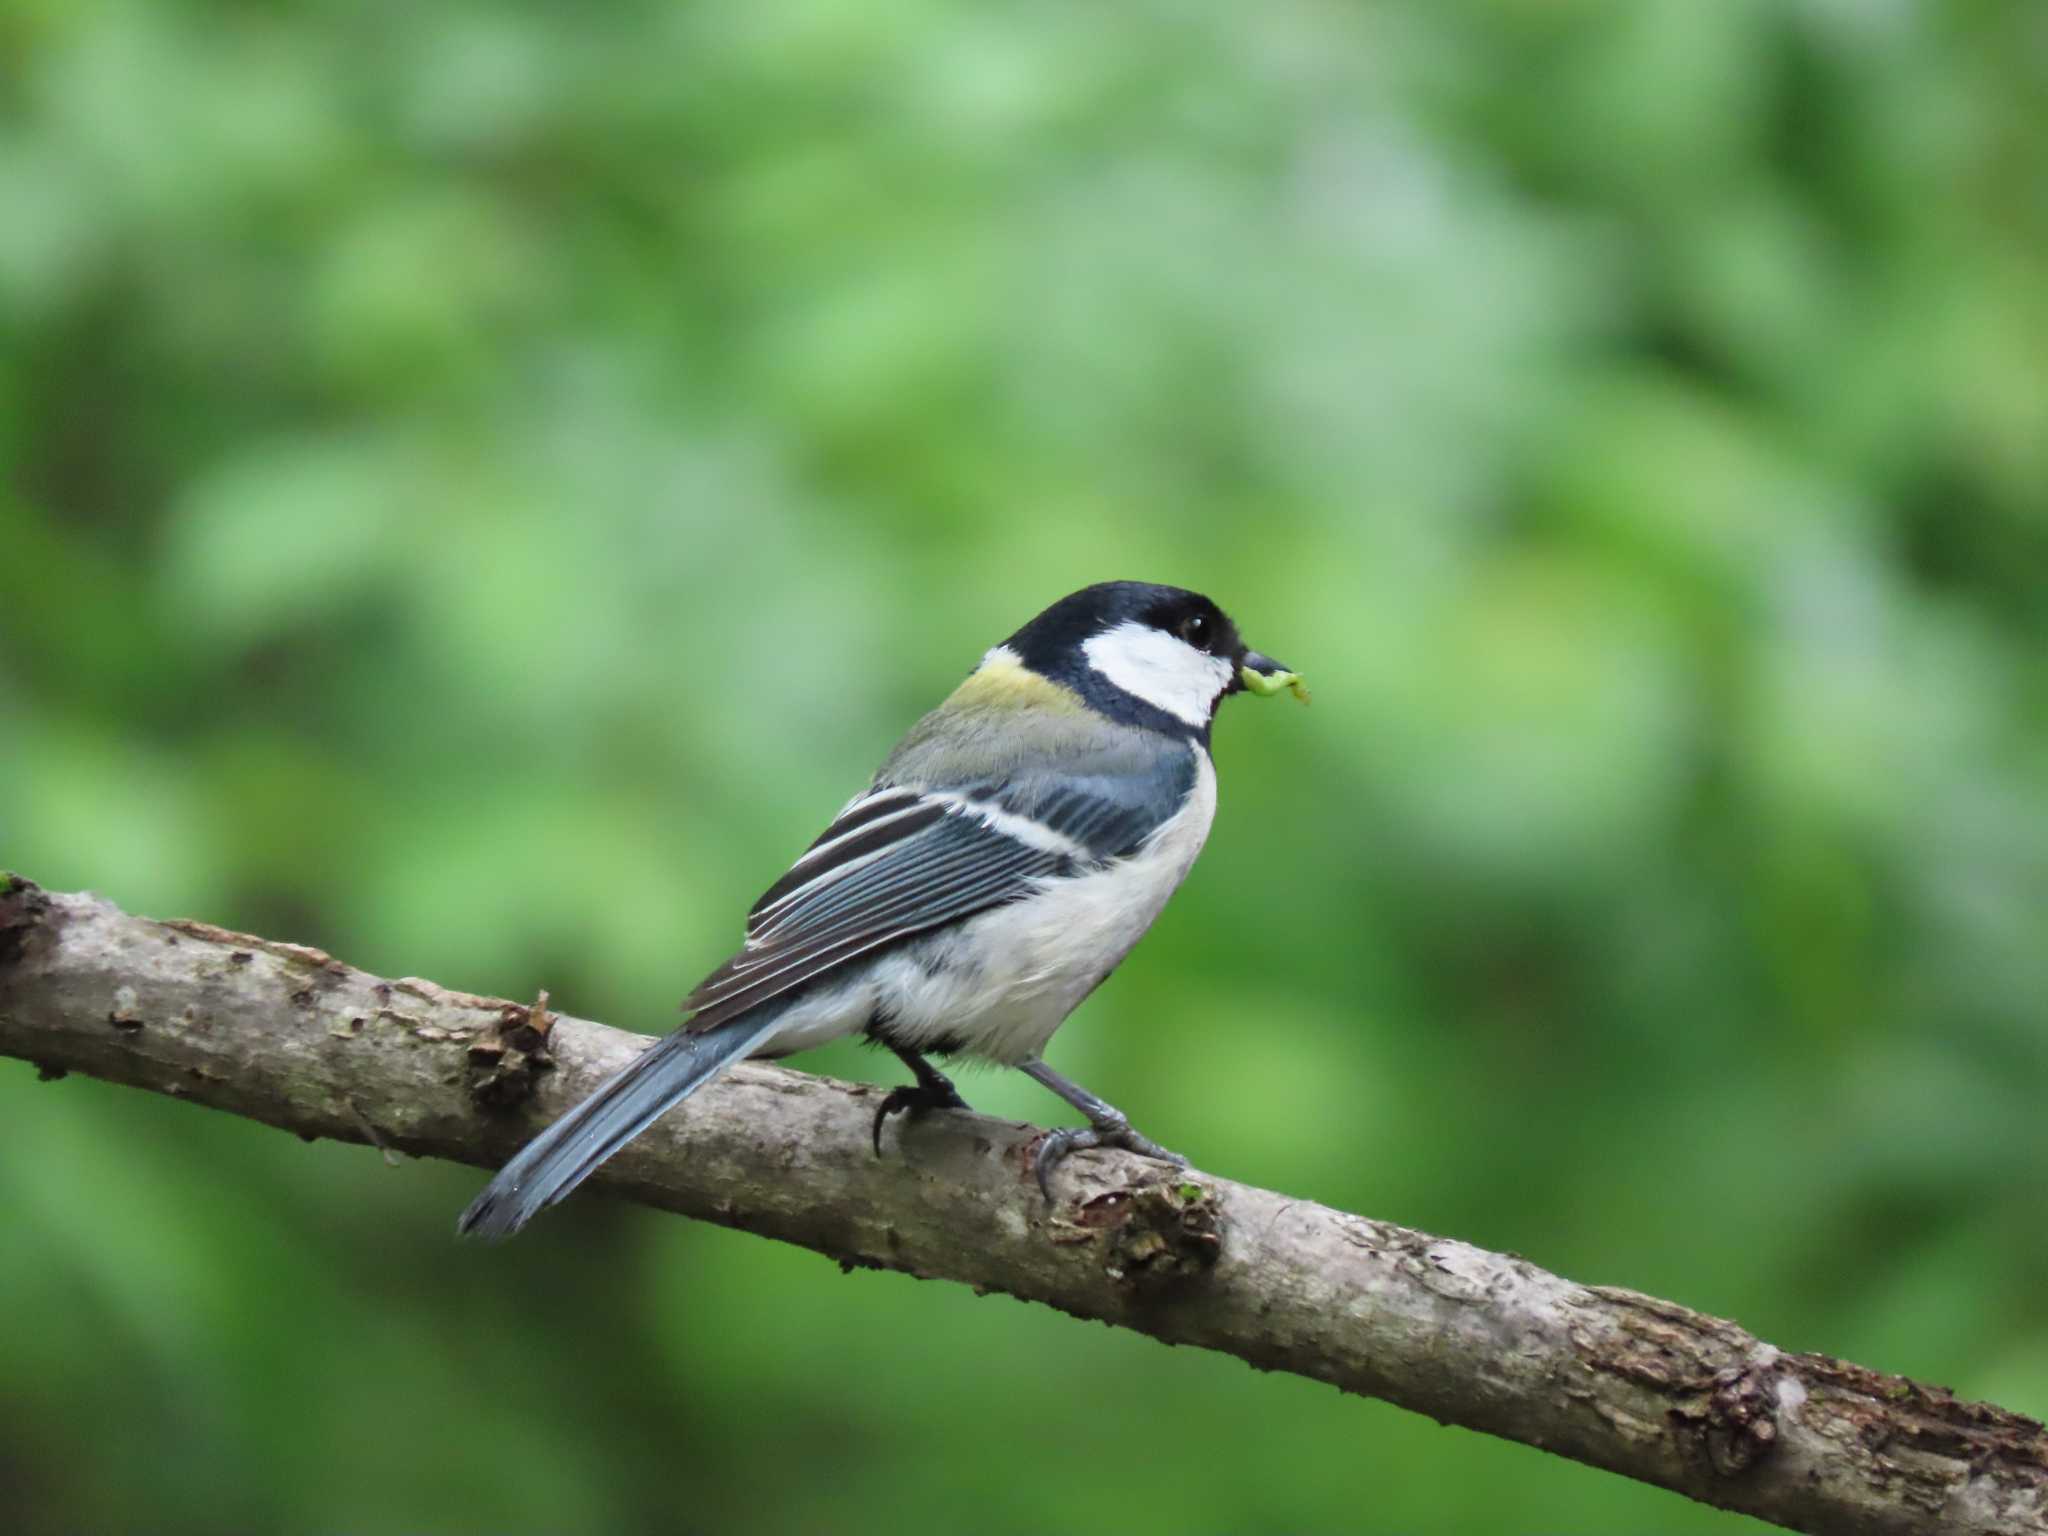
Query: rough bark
[(289, 1036)]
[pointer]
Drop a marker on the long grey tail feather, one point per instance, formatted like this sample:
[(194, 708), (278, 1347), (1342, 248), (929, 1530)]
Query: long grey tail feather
[(547, 1168)]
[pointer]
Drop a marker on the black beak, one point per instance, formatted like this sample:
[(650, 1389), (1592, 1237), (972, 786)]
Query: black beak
[(1265, 677)]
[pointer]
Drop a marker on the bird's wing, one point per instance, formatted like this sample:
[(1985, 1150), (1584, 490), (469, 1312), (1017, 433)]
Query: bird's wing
[(903, 859)]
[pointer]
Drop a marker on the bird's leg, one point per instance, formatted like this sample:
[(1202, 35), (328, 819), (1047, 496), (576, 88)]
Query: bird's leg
[(932, 1090), (1107, 1127)]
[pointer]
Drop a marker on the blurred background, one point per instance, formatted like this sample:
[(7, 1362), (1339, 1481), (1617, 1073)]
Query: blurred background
[(484, 482)]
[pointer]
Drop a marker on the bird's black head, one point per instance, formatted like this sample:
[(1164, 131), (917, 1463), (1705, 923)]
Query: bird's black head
[(1148, 655)]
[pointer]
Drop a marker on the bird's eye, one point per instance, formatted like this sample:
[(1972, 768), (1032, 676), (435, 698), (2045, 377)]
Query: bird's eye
[(1195, 629)]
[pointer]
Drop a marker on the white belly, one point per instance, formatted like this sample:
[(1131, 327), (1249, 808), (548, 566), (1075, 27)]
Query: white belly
[(999, 984)]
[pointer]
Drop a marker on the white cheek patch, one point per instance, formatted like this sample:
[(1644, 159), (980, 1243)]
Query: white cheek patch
[(1166, 673)]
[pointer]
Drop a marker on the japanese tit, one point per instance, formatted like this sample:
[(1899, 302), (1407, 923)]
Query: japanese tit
[(1009, 852)]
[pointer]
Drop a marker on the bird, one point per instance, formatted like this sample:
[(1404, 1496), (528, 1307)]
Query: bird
[(1005, 858)]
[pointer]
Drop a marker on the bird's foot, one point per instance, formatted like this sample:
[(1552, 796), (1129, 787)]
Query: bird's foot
[(914, 1099), (1058, 1145)]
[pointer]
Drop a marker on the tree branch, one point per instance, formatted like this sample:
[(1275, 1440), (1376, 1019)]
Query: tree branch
[(289, 1036)]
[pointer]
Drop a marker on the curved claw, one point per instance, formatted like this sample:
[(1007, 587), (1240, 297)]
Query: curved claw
[(914, 1099), (895, 1102), (1061, 1144)]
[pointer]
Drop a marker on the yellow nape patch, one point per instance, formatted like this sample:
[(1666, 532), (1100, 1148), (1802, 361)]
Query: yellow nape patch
[(1004, 682)]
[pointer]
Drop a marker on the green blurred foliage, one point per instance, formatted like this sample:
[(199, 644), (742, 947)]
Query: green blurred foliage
[(483, 482)]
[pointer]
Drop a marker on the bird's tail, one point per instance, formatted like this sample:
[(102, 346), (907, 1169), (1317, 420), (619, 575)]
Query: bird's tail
[(548, 1167)]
